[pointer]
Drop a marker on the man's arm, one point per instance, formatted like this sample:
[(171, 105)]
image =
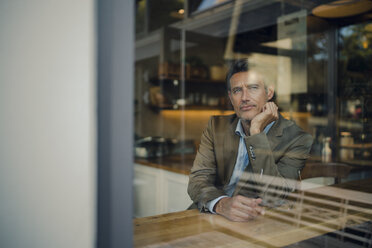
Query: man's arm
[(202, 188), (274, 180)]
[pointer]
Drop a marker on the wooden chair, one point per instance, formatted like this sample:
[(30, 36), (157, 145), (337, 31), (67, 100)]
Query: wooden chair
[(336, 170), (312, 169)]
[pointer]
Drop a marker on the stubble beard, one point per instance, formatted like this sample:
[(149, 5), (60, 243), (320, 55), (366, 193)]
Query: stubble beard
[(246, 124)]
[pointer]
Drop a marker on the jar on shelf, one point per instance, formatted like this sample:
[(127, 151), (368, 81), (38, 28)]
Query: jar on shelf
[(346, 150)]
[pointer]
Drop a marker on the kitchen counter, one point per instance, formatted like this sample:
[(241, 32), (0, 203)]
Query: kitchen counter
[(182, 164), (174, 163)]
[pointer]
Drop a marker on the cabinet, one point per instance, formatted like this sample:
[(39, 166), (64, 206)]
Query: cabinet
[(190, 72), (355, 129), (191, 94), (354, 94), (158, 191), (355, 119)]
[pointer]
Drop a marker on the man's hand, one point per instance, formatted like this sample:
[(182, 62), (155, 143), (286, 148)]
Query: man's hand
[(259, 122), (239, 208)]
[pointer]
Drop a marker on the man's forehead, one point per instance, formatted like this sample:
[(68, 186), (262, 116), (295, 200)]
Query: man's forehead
[(249, 77)]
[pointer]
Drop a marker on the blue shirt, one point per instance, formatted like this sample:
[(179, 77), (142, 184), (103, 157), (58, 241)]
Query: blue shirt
[(241, 163)]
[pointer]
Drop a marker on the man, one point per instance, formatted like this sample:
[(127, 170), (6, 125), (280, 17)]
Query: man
[(250, 159)]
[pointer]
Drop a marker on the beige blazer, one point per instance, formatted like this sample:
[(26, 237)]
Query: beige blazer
[(275, 160)]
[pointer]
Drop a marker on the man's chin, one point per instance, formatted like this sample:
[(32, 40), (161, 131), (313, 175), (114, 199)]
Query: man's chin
[(245, 118)]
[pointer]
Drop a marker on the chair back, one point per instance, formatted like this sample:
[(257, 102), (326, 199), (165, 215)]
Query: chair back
[(336, 170)]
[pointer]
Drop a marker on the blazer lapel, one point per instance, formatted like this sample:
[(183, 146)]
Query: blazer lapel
[(275, 133), (230, 150), (273, 136)]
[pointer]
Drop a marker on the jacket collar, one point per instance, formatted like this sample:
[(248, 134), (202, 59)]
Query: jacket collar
[(233, 122), (279, 126), (232, 140), (275, 130)]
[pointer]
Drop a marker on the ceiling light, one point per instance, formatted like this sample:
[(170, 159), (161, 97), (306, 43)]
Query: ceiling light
[(368, 27), (342, 8)]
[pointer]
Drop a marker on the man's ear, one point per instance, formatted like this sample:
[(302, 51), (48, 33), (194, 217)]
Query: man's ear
[(229, 92), (270, 92)]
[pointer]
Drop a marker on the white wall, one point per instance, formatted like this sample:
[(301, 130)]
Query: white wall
[(47, 123)]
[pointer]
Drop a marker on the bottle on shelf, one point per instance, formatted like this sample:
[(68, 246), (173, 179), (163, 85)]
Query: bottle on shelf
[(326, 151)]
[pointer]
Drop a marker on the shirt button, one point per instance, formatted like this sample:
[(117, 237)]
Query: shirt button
[(253, 156)]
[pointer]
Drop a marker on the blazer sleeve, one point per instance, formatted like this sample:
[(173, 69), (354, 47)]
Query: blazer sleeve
[(274, 180), (202, 187)]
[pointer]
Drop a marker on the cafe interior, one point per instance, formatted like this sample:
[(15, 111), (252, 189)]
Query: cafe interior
[(103, 104), (318, 56)]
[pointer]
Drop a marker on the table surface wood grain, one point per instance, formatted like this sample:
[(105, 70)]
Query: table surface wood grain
[(312, 213)]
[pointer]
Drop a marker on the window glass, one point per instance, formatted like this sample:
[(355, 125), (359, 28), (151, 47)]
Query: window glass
[(354, 93), (316, 59)]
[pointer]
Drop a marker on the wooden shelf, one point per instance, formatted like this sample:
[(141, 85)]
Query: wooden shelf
[(357, 146), (190, 80), (192, 107), (356, 162)]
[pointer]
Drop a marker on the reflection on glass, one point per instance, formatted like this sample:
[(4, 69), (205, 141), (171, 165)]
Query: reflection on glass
[(140, 16), (200, 5), (321, 70), (338, 216), (164, 12), (355, 93)]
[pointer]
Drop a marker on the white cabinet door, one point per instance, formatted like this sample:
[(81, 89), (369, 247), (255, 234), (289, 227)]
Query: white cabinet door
[(175, 187), (158, 191), (145, 191)]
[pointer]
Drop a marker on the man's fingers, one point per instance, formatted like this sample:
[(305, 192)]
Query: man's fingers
[(250, 205), (239, 208), (238, 215), (272, 110), (249, 201), (247, 210), (272, 106), (258, 200)]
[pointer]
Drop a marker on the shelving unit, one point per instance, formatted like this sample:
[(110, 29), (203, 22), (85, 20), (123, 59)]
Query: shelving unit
[(186, 80), (199, 94)]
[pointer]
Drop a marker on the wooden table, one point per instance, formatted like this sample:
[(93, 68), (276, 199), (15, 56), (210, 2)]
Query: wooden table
[(312, 213)]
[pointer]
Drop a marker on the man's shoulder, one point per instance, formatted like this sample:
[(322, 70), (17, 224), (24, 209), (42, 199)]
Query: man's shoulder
[(223, 120), (222, 123), (227, 118), (292, 126), (292, 130)]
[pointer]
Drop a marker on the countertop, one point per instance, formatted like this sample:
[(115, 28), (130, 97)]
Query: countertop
[(175, 163), (182, 164)]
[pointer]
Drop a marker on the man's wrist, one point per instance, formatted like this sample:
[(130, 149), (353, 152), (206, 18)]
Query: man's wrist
[(219, 205), (254, 131), (216, 208), (211, 205)]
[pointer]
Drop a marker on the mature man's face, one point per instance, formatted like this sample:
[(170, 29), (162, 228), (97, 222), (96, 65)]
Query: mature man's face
[(248, 94)]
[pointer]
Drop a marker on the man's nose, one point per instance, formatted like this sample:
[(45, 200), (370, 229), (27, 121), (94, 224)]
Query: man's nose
[(245, 94)]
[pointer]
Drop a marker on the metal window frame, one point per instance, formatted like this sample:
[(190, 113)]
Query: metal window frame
[(115, 69)]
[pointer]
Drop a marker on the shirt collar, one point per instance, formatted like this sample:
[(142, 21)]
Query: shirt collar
[(239, 129)]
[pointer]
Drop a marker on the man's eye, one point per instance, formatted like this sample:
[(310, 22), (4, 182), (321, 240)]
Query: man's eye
[(237, 90)]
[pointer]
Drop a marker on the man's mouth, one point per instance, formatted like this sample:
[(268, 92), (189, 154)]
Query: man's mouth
[(247, 107)]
